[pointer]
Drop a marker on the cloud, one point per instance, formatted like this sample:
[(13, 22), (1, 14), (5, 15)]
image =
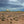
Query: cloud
[(12, 9), (15, 5), (13, 0), (17, 2), (22, 4)]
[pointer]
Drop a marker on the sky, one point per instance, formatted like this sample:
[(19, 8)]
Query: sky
[(12, 5)]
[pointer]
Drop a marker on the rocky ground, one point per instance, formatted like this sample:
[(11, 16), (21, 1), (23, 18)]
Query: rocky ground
[(12, 17)]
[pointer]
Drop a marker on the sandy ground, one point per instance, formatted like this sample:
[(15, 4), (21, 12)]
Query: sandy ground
[(13, 22)]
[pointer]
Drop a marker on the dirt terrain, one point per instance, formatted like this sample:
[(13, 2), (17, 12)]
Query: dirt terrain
[(12, 17)]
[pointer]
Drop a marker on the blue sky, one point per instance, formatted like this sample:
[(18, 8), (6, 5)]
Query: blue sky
[(12, 5)]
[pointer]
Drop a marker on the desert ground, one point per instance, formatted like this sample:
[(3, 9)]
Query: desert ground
[(12, 17)]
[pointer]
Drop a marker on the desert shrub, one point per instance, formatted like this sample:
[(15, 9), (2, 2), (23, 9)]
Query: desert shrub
[(14, 18), (0, 17), (3, 18), (10, 22), (10, 19)]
